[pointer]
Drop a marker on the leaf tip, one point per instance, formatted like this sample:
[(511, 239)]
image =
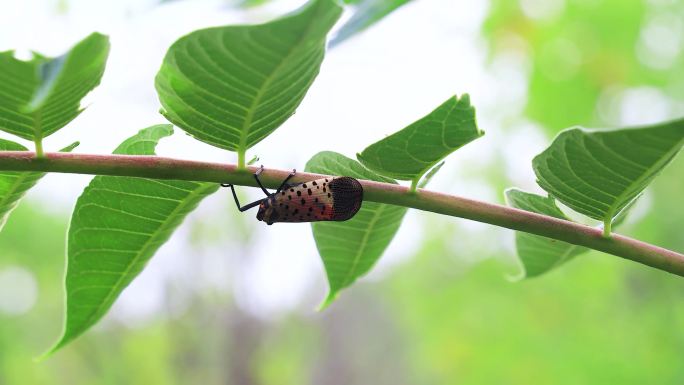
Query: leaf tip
[(465, 98), (70, 147), (254, 159), (517, 277), (61, 342), (332, 296), (39, 359), (45, 356), (98, 35), (510, 194), (99, 40)]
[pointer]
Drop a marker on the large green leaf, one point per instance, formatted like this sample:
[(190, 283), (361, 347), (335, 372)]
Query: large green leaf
[(13, 184), (598, 173), (411, 152), (117, 226), (366, 13), (349, 249), (42, 95), (232, 86), (540, 254)]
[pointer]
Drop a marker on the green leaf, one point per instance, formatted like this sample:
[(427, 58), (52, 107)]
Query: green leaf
[(411, 152), (117, 226), (232, 86), (14, 185), (366, 13), (540, 254), (349, 249), (598, 173), (40, 96)]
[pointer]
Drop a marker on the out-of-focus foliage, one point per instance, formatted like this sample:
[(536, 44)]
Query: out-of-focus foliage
[(604, 320), (585, 56), (600, 321), (365, 13)]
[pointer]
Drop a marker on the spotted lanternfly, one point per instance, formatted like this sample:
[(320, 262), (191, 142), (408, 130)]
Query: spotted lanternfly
[(325, 199)]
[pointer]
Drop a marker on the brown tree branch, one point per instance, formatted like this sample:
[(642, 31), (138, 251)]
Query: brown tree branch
[(503, 216)]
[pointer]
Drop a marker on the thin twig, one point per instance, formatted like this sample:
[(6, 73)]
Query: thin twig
[(169, 168)]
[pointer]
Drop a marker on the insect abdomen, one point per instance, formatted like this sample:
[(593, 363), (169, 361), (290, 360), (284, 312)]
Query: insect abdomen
[(326, 199)]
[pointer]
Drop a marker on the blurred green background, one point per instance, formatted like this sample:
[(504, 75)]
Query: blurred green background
[(446, 315)]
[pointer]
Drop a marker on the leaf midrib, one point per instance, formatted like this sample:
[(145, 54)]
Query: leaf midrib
[(362, 246), (246, 126)]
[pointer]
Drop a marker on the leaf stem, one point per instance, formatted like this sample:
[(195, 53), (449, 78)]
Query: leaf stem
[(607, 228), (414, 184), (503, 216), (38, 141), (241, 158)]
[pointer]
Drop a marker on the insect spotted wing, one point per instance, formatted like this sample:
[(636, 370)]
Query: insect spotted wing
[(325, 199)]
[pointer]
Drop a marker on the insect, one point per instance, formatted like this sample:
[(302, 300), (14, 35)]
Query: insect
[(325, 199)]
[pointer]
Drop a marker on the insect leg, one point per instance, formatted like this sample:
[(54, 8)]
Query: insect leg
[(256, 176), (284, 184), (247, 206)]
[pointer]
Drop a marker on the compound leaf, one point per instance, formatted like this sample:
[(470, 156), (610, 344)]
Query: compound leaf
[(599, 173), (539, 254), (411, 152), (117, 226), (42, 95), (349, 249), (232, 86)]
